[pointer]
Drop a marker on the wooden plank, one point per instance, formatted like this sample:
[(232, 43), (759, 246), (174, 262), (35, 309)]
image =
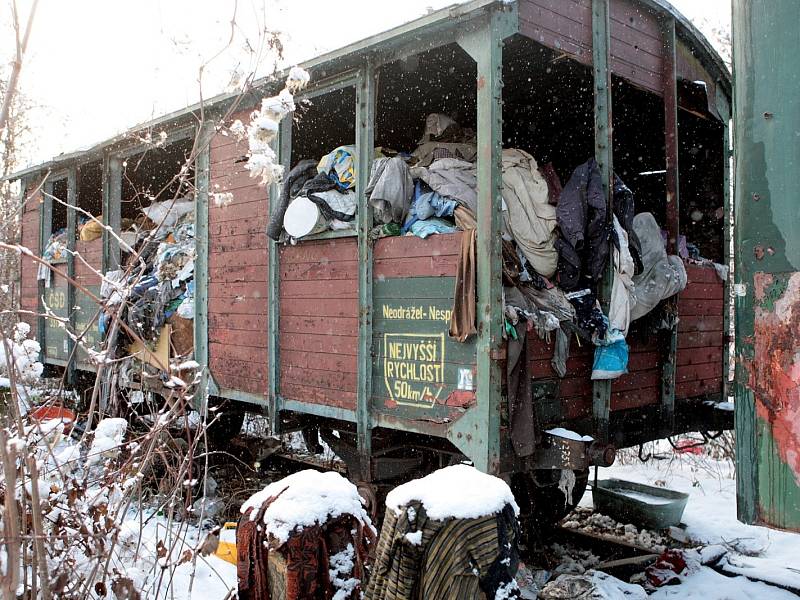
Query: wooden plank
[(231, 350), (231, 243), (227, 149), (689, 307), (240, 368), (241, 258), (320, 250), (700, 273), (312, 342), (251, 209), (430, 266), (327, 291), (235, 274), (312, 395), (322, 361), (319, 325), (252, 227), (691, 389), (242, 384), (343, 307), (255, 289), (703, 291), (712, 370), (391, 248), (699, 339), (345, 382), (237, 322), (252, 339), (238, 306), (700, 323), (319, 270)]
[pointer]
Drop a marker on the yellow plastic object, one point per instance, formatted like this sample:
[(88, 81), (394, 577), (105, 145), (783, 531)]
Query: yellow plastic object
[(91, 230), (227, 543)]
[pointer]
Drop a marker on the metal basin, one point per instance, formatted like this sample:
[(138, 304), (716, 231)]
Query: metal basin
[(642, 505)]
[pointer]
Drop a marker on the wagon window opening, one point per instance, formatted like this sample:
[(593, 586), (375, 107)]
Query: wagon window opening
[(320, 196), (90, 200), (152, 194), (55, 247), (59, 210)]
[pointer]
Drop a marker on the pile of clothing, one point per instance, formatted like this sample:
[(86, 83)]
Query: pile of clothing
[(55, 251), (155, 286)]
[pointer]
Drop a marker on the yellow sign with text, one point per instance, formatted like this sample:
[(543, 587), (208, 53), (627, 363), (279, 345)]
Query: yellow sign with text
[(413, 367)]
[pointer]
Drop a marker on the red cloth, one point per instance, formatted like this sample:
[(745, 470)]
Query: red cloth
[(307, 554)]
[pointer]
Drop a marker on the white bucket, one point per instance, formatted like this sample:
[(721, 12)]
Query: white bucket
[(303, 217)]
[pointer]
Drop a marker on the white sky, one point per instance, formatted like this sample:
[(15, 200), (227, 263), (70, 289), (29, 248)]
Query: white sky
[(97, 67)]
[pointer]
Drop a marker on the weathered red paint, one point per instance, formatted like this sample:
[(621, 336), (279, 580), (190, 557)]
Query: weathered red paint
[(775, 375)]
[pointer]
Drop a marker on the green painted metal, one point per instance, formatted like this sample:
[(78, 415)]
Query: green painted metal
[(86, 325), (417, 366), (72, 229), (55, 344), (767, 119), (365, 142), (237, 395), (284, 152), (112, 202), (202, 182), (477, 432), (724, 110), (319, 410), (603, 152), (45, 225), (670, 347)]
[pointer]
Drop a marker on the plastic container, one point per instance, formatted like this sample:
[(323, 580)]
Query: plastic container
[(642, 505), (227, 543), (48, 413)]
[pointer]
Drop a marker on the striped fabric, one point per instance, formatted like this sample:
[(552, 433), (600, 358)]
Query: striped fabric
[(456, 559)]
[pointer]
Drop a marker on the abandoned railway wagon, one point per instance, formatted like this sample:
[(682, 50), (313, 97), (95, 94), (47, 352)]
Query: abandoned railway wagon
[(502, 237)]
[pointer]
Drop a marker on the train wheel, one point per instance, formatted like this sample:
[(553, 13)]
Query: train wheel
[(541, 501)]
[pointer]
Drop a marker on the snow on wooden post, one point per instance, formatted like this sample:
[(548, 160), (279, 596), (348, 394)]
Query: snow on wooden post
[(304, 536), (453, 533)]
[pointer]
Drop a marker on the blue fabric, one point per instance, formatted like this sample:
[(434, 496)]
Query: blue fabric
[(426, 204), (430, 226), (144, 284), (611, 359)]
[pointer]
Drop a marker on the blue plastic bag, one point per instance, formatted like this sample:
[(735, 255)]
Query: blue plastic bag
[(610, 357)]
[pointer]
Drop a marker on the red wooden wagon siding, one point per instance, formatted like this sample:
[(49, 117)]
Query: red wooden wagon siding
[(319, 322), (398, 257), (238, 271), (699, 368), (29, 286), (636, 44)]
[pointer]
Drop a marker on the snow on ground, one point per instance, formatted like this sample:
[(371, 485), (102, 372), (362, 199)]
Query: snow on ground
[(710, 518)]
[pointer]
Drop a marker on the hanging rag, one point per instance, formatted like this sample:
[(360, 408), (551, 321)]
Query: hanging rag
[(622, 299), (662, 276), (297, 177), (528, 217), (554, 186), (390, 189), (418, 558), (463, 319), (586, 231), (522, 417)]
